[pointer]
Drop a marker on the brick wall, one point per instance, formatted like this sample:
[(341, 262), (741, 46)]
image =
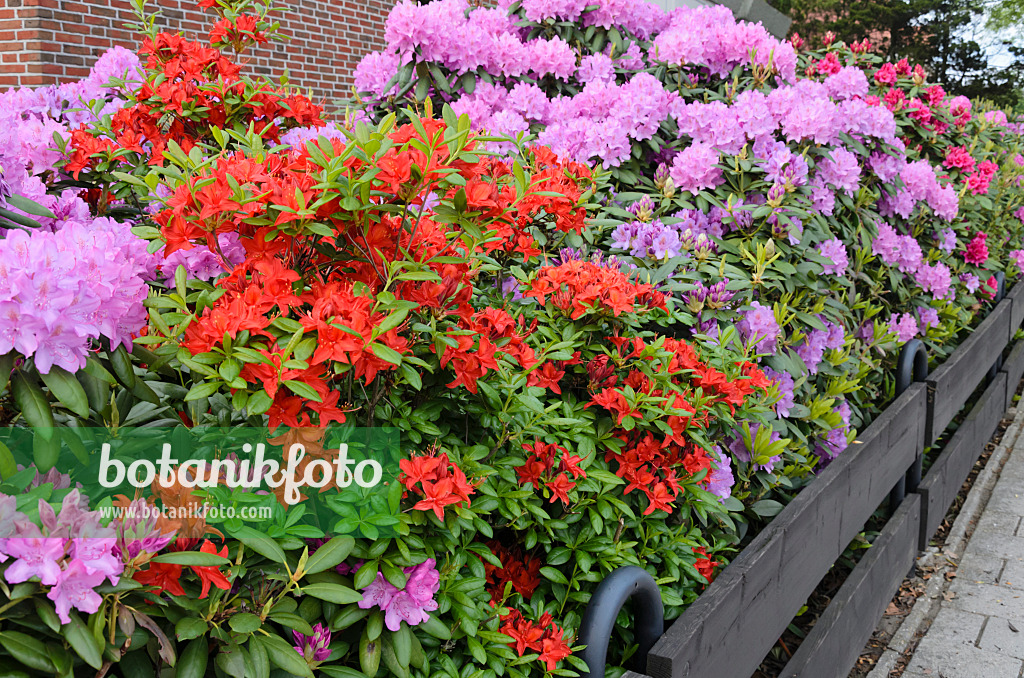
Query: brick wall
[(47, 41)]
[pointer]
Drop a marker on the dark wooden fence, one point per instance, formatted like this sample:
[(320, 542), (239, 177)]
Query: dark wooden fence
[(729, 630)]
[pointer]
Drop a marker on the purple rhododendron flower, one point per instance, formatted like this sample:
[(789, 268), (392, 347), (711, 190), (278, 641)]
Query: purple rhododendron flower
[(314, 648), (928, 316), (410, 604), (720, 480), (835, 251), (759, 321)]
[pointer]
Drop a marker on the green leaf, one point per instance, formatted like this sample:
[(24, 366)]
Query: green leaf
[(436, 628), (6, 366), (259, 659), (8, 466), (193, 661), (27, 650), (401, 640), (47, 614), (82, 641), (19, 219), (67, 390), (192, 558), (554, 575), (284, 656), (122, 365), (29, 206), (189, 627), (329, 555), (292, 621), (259, 402), (260, 543), (33, 405), (303, 390), (203, 390), (334, 593), (387, 354), (244, 622)]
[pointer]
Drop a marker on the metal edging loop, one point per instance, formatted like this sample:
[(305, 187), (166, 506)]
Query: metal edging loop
[(598, 621), (912, 366)]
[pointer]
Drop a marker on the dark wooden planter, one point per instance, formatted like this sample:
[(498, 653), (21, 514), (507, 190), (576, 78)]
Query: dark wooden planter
[(729, 630)]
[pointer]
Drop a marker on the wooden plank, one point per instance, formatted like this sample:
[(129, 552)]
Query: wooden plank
[(1014, 367), (1016, 297), (833, 645), (953, 382), (941, 484), (734, 624)]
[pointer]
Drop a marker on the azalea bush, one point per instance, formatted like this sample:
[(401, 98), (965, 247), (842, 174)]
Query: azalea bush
[(271, 271), (826, 206)]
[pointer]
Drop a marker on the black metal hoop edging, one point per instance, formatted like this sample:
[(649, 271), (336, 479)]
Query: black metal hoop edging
[(911, 366), (599, 617), (1000, 293)]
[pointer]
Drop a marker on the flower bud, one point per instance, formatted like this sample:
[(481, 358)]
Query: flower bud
[(661, 176)]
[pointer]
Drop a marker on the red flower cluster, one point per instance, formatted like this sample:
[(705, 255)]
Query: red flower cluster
[(485, 334), (654, 469), (523, 572), (440, 482), (243, 31), (192, 88), (544, 637), (579, 287), (705, 565), (551, 465), (167, 576)]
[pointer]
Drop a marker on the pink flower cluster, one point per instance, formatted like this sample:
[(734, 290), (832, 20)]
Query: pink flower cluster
[(72, 554), (59, 291), (710, 38), (409, 604), (904, 252)]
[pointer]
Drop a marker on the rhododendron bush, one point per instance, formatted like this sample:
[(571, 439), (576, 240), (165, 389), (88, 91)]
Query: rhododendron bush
[(227, 259), (826, 206)]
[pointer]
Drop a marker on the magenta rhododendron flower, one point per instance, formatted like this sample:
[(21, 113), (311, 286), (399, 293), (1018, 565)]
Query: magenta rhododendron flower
[(977, 250)]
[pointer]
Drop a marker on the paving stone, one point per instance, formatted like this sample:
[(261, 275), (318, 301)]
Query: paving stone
[(998, 636), (1013, 574), (947, 654), (995, 544), (978, 568), (998, 522), (986, 599), (1007, 497)]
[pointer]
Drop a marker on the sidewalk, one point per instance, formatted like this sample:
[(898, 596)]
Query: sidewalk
[(979, 629)]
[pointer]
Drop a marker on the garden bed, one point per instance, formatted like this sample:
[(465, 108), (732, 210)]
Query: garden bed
[(733, 625)]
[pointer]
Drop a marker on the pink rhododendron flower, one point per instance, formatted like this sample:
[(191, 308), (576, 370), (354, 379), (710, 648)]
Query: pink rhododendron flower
[(904, 326), (74, 589), (36, 556)]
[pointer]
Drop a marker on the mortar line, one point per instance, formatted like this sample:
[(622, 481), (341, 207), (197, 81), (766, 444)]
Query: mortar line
[(981, 632)]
